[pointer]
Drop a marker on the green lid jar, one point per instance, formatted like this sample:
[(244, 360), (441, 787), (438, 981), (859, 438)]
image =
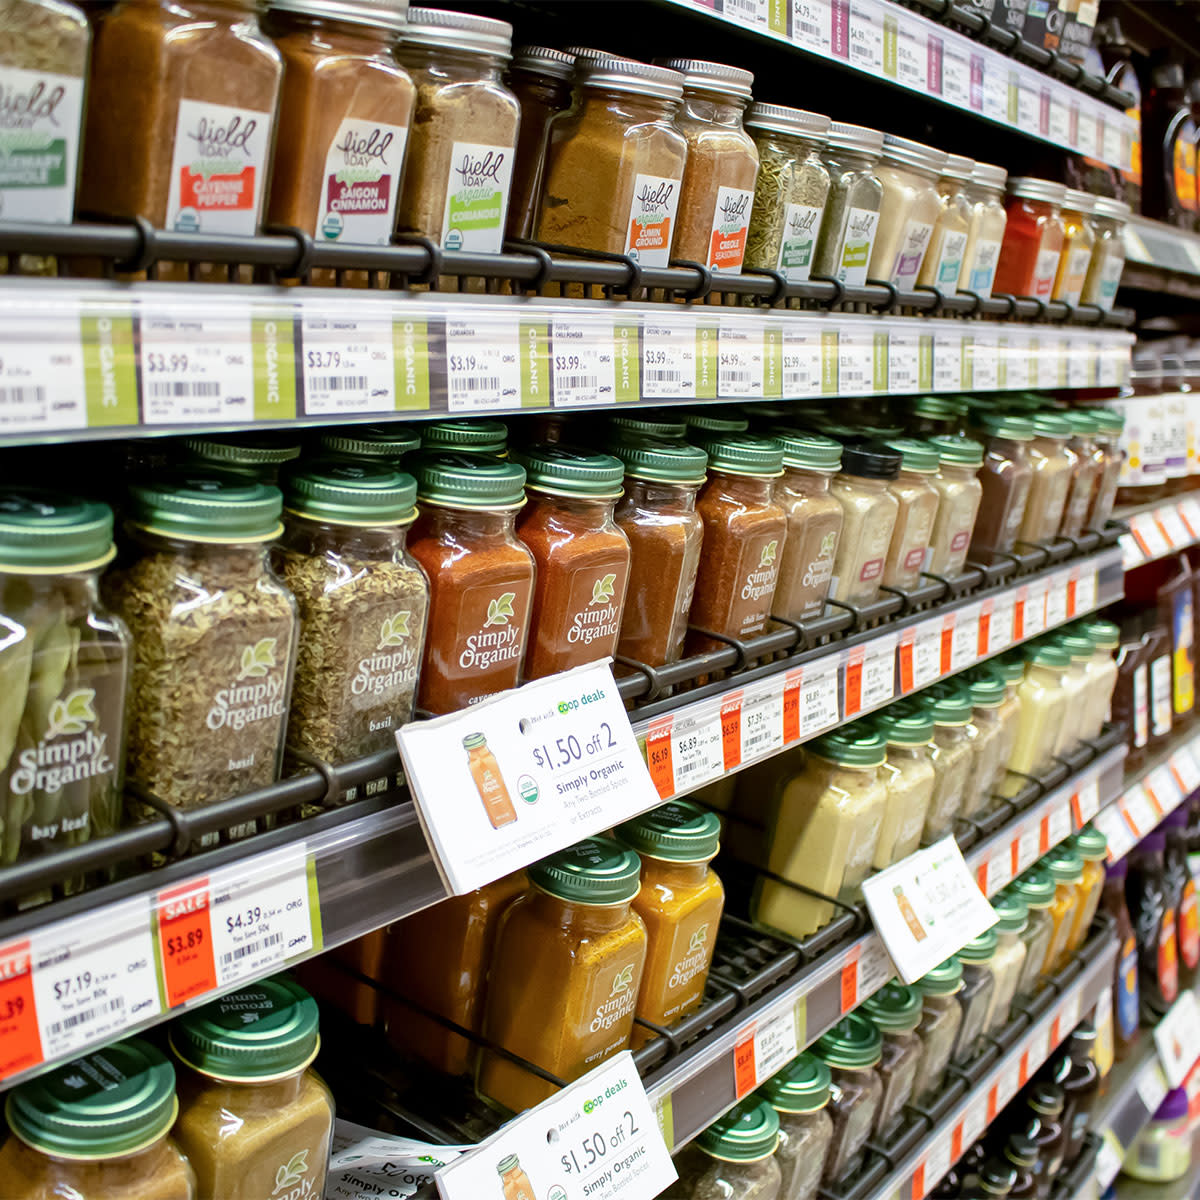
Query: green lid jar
[(674, 832), (853, 1044), (657, 460), (986, 691), (468, 481), (564, 471), (943, 980), (52, 533), (916, 455), (345, 492), (1064, 866), (741, 454), (1012, 911), (800, 1087), (1010, 668), (748, 1132), (807, 451), (257, 455), (380, 443), (951, 708), (979, 949), (1047, 654), (597, 870), (1008, 426), (626, 427), (1078, 645), (855, 745), (905, 728), (895, 1008), (1108, 420), (958, 451), (712, 423), (465, 437), (1051, 425), (1090, 844), (1082, 422), (1036, 888), (210, 506), (1104, 635)]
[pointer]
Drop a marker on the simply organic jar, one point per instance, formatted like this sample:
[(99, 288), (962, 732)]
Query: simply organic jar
[(1102, 674), (1085, 476), (987, 733), (799, 1094), (910, 777), (917, 501), (1009, 960), (941, 1020), (1005, 477), (1076, 686), (1092, 847), (1036, 888), (1042, 715), (895, 1010), (1109, 426), (260, 456), (477, 436), (851, 217), (975, 997), (870, 509), (959, 496), (1053, 468), (908, 172), (851, 1050)]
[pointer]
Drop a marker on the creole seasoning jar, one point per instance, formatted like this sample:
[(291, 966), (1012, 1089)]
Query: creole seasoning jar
[(572, 949), (895, 1010), (941, 1020), (985, 234), (799, 1094), (960, 494), (386, 444), (1108, 254), (908, 172), (947, 247), (362, 601), (855, 198), (721, 167), (1005, 478), (658, 515), (252, 1112), (910, 778), (1078, 245), (464, 131), (870, 512), (744, 531), (614, 162), (917, 501), (581, 555), (681, 902), (1033, 238), (97, 1128), (1053, 468), (851, 1050), (480, 578)]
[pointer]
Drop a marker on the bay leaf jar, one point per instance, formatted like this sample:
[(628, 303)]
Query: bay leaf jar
[(719, 175), (252, 1111), (908, 172), (464, 132), (800, 1094), (614, 162), (851, 217), (852, 1050), (917, 501)]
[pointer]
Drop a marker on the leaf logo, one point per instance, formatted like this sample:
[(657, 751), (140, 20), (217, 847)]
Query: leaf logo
[(768, 554), (603, 590), (72, 715), (394, 630), (259, 659), (698, 939), (291, 1174), (623, 981), (75, 1081), (500, 609)]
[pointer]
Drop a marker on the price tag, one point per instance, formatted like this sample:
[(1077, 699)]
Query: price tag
[(1078, 364), (1177, 1038), (1151, 1086), (762, 719), (1139, 813), (1027, 847), (866, 969), (669, 360), (811, 699), (866, 36), (856, 361), (1112, 142), (1014, 362), (684, 751), (1109, 1159), (740, 360), (348, 363), (747, 12), (366, 1163), (1189, 512), (20, 1039), (956, 71), (1009, 1081), (1081, 591), (767, 1046), (483, 368), (1085, 133), (1185, 769), (812, 22), (921, 655), (801, 361), (1164, 791), (912, 54), (947, 362), (1035, 607), (595, 1140), (904, 353), (1060, 117), (937, 1162), (1046, 364), (1000, 624), (927, 907), (996, 873), (1058, 824), (185, 941), (1029, 104), (1112, 824), (582, 361), (870, 675), (1149, 536), (964, 648), (1085, 802), (1131, 555), (1174, 530), (985, 360), (1056, 601), (557, 761), (995, 90), (1036, 1053)]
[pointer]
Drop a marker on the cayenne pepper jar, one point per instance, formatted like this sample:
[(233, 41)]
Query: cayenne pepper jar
[(480, 578), (582, 557), (1033, 238)]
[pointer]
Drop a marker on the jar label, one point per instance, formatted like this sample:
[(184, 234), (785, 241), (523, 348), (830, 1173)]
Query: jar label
[(1127, 989), (476, 197), (1134, 173), (218, 166), (1141, 707), (1110, 277), (1185, 173), (362, 175), (801, 223), (40, 114), (950, 261), (1160, 696), (607, 1017), (1044, 271), (731, 224), (1168, 958), (1182, 636), (595, 598), (651, 217), (758, 574), (1077, 265), (490, 634), (983, 269), (1189, 927), (857, 240), (911, 254), (689, 958)]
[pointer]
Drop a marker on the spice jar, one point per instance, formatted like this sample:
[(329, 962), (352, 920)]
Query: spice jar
[(721, 168), (978, 988), (65, 666), (1065, 868), (960, 494), (633, 429), (1042, 695), (941, 1019), (735, 1155), (1085, 475), (464, 131), (851, 216), (1009, 959), (657, 513), (917, 507), (1102, 674), (680, 902), (614, 162), (1036, 888), (791, 190), (986, 731), (466, 437), (97, 1127), (1075, 687), (581, 555), (985, 192), (1053, 468), (931, 416), (824, 831), (1078, 246), (362, 601), (870, 514), (1043, 1123), (799, 1094), (851, 1050), (910, 777), (814, 522), (908, 172), (540, 78), (1109, 426), (1033, 238), (260, 457), (480, 578), (895, 1010), (214, 637), (952, 759), (1092, 847), (1011, 669), (380, 443), (947, 247), (1005, 479), (744, 531), (1108, 255), (572, 950)]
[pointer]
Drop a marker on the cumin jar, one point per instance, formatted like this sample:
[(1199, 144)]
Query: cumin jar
[(658, 515), (480, 578), (582, 557)]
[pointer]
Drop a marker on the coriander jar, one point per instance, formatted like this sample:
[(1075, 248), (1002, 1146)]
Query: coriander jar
[(614, 162), (985, 233), (721, 168), (952, 759), (65, 664), (791, 191), (917, 508), (851, 217), (384, 445), (258, 456), (1078, 246), (736, 1155), (941, 1020), (1108, 254), (852, 1051), (910, 777), (799, 1094), (214, 636), (870, 514), (960, 495), (943, 263), (464, 130), (895, 1010), (254, 1117), (98, 1128), (362, 600), (908, 172), (978, 988)]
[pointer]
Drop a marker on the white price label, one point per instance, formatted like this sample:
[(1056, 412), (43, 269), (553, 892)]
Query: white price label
[(582, 361), (812, 25), (964, 645), (866, 36), (1035, 607), (1028, 843), (1000, 623), (1177, 1038), (912, 54), (740, 360), (1078, 365), (921, 655), (1085, 802), (1151, 1085), (1185, 769), (1015, 362), (747, 12), (1045, 364), (947, 362), (1037, 1051), (957, 59), (1139, 811), (999, 871), (1082, 599), (1058, 823), (1008, 1081), (936, 1164), (856, 361), (765, 1048), (904, 351), (696, 751), (348, 363), (870, 674), (1060, 117), (801, 361), (1189, 512), (1085, 133), (816, 698), (1111, 822), (1149, 535), (762, 719), (874, 969), (669, 361), (996, 82), (985, 358), (1056, 601), (1173, 526), (1131, 553), (1160, 784), (42, 368), (483, 369), (1113, 142)]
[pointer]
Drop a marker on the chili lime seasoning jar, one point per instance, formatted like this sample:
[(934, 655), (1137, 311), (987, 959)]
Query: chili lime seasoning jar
[(908, 172), (1005, 478), (1033, 238), (1078, 246), (985, 233), (947, 247), (851, 216), (941, 1019), (851, 1050), (1053, 468), (952, 758), (870, 512), (480, 578), (792, 188), (910, 778), (960, 494), (464, 133), (895, 1010), (386, 444), (657, 513), (581, 554), (744, 532), (572, 949), (721, 167), (917, 505), (799, 1094), (1108, 254)]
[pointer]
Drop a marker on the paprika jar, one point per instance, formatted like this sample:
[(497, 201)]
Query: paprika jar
[(908, 172), (681, 902), (985, 233), (870, 511), (851, 1050), (1053, 469), (960, 494), (895, 1010), (744, 532), (480, 578), (581, 555), (851, 216), (1033, 238), (386, 444), (1108, 254), (1079, 244), (800, 1094), (658, 515), (917, 507), (572, 950), (1005, 477)]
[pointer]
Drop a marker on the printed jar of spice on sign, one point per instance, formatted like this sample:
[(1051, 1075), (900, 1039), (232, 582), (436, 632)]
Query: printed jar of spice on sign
[(464, 133), (480, 578), (614, 162), (582, 557), (851, 217)]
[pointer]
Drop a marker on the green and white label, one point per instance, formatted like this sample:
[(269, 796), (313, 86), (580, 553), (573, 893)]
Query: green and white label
[(476, 197), (801, 223), (857, 240), (40, 114)]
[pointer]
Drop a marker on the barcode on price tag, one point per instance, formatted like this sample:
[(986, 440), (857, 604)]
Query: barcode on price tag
[(765, 1048), (856, 360), (985, 360), (348, 363), (582, 361), (812, 25), (669, 360), (904, 351), (740, 360), (870, 674), (947, 362), (762, 719), (1085, 803), (1000, 623), (920, 655), (801, 360), (483, 369)]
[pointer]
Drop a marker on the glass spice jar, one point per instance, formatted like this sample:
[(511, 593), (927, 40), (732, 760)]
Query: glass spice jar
[(851, 216), (941, 1020), (1109, 427), (895, 1010), (737, 1155), (908, 172), (1108, 254), (799, 1094), (978, 987), (985, 234), (1009, 960), (387, 444), (1086, 473), (1065, 869), (870, 514), (1078, 246), (1037, 890), (1053, 469), (633, 429), (1033, 238), (952, 758), (477, 436), (1005, 478), (1042, 697), (917, 509), (910, 777), (260, 457), (960, 494), (1011, 669), (947, 247), (934, 416), (1092, 847), (851, 1050), (1105, 637), (986, 731), (1076, 683)]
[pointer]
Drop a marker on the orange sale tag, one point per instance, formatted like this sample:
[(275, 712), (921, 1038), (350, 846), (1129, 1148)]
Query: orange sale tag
[(20, 1040), (185, 941)]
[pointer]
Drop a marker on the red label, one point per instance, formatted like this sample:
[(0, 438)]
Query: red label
[(959, 540), (1076, 811), (1019, 615), (649, 235), (985, 631), (850, 986), (947, 644), (1015, 849), (981, 878), (185, 942), (956, 1143), (731, 731), (744, 1073), (659, 760), (871, 569), (1168, 958), (727, 249), (791, 706), (1044, 836), (366, 196), (1024, 1076), (20, 1041), (854, 670), (1189, 927), (914, 558), (993, 1104), (225, 193), (1158, 808), (906, 666), (918, 1181)]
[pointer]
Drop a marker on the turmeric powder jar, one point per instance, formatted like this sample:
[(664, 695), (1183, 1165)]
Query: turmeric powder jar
[(658, 515), (570, 950), (722, 165), (614, 162), (438, 959), (344, 114), (464, 133), (681, 902), (97, 1129), (745, 528), (582, 557), (252, 1112), (480, 578)]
